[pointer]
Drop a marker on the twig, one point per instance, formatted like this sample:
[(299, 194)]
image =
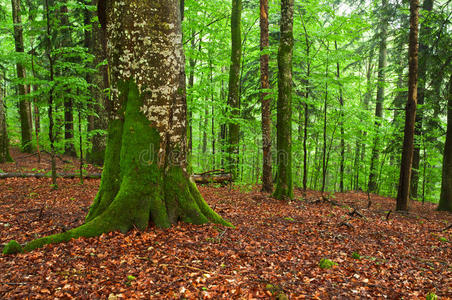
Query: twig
[(14, 283), (446, 228), (356, 212), (388, 214), (346, 224)]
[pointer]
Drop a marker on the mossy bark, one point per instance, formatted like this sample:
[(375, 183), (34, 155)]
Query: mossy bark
[(233, 96), (284, 186), (144, 179), (24, 105)]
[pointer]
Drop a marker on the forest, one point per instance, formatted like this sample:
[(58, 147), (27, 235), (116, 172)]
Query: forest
[(188, 149)]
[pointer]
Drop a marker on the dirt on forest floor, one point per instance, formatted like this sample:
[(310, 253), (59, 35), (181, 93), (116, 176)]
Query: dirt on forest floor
[(274, 251)]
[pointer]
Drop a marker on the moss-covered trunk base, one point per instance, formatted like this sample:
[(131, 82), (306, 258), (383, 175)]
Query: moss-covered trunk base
[(136, 187)]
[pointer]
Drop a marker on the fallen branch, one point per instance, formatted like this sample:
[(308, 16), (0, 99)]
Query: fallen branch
[(210, 178), (45, 175), (355, 212)]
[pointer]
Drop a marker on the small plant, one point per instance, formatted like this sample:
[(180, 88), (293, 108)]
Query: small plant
[(431, 296), (289, 219), (130, 278), (325, 263), (443, 239), (356, 255)]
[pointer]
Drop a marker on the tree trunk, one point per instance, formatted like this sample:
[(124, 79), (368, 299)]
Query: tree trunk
[(233, 96), (284, 186), (4, 142), (445, 200), (145, 172), (372, 185), (24, 105), (424, 53), (306, 106), (341, 125), (403, 193), (325, 106), (267, 179)]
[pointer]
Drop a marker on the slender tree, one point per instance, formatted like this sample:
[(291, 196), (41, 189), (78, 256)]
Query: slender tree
[(424, 53), (24, 105), (233, 96), (372, 184), (445, 200), (267, 179), (145, 172), (403, 193), (284, 186), (4, 142)]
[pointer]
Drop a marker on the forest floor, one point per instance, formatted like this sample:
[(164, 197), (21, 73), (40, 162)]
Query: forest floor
[(274, 251)]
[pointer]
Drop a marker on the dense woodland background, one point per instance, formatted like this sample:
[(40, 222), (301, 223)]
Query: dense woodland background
[(350, 83)]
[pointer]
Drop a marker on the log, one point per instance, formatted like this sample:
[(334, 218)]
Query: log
[(212, 178), (48, 175)]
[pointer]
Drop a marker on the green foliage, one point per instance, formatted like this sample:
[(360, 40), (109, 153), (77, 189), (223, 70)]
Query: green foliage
[(431, 296), (325, 263), (356, 255)]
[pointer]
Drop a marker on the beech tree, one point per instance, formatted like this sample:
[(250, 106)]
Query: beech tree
[(403, 193), (145, 175), (284, 187), (267, 179), (24, 105), (445, 200), (4, 143)]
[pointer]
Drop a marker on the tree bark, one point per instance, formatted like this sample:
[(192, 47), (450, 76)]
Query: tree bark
[(284, 185), (341, 125), (4, 142), (424, 53), (372, 185), (24, 105), (445, 200), (403, 193), (233, 96), (145, 172), (267, 178)]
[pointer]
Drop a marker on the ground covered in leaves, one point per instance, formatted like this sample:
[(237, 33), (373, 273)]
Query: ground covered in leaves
[(274, 251)]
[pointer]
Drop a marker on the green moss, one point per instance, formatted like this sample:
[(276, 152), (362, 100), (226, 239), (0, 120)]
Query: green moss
[(12, 247), (326, 263)]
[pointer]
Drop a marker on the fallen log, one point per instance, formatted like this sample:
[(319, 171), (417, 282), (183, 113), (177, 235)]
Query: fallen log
[(48, 175), (212, 178)]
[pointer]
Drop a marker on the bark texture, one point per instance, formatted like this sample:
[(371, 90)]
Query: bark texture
[(4, 142), (403, 193), (424, 53), (234, 90), (267, 179), (445, 200), (144, 178), (24, 105), (284, 186), (372, 184)]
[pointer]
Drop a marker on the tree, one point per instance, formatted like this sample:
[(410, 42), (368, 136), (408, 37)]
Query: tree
[(4, 142), (267, 179), (24, 105), (424, 52), (234, 90), (284, 188), (145, 175), (445, 200), (403, 193), (372, 184)]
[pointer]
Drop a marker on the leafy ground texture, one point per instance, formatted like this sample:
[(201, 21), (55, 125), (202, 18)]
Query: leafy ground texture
[(312, 247)]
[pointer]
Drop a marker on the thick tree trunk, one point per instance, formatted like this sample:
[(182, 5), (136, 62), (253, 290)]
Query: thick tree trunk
[(445, 200), (284, 186), (372, 185), (233, 96), (306, 107), (145, 172), (24, 105), (267, 179), (403, 193), (97, 43), (424, 53), (4, 142)]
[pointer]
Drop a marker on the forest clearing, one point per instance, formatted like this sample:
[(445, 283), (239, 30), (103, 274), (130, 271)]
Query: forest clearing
[(276, 247)]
